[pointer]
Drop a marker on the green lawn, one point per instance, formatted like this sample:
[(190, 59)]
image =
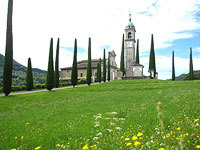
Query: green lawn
[(65, 119)]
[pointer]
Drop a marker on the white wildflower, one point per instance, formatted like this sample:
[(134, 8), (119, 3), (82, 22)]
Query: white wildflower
[(113, 113), (112, 124), (99, 133), (95, 138), (118, 128), (96, 125), (121, 118), (109, 130)]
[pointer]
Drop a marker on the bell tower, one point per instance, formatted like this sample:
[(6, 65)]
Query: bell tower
[(129, 53)]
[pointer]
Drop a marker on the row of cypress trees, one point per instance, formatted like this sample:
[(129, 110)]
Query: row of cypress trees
[(191, 73), (74, 74), (52, 78)]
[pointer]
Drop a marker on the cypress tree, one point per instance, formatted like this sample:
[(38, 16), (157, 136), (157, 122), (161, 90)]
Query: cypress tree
[(104, 66), (57, 65), (50, 71), (191, 75), (74, 66), (99, 71), (173, 68), (29, 76), (152, 62), (109, 67), (8, 63), (122, 57), (89, 67), (137, 53)]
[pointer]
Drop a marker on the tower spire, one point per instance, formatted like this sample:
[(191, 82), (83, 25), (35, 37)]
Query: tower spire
[(130, 24), (129, 16)]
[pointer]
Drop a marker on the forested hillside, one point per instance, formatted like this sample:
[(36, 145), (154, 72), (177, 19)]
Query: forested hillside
[(19, 74), (186, 76)]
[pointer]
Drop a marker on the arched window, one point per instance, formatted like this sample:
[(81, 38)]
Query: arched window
[(129, 35)]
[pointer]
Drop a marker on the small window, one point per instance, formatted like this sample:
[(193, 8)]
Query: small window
[(129, 35), (81, 74)]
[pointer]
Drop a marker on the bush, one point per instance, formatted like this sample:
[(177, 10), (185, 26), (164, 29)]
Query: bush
[(82, 81), (18, 88), (40, 86), (65, 84)]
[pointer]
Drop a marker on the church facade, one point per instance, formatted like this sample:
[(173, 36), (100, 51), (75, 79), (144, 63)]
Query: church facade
[(82, 69)]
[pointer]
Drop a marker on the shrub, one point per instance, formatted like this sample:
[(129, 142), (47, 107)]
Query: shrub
[(64, 84), (82, 81), (18, 88)]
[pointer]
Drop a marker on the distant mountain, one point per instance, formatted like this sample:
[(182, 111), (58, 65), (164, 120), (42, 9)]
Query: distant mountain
[(186, 76), (19, 74)]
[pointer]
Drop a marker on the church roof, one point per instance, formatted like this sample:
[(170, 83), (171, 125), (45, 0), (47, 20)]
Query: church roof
[(138, 65)]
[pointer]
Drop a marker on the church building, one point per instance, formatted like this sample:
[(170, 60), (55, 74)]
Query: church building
[(82, 69), (132, 66)]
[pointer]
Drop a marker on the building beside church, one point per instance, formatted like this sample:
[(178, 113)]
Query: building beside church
[(82, 69)]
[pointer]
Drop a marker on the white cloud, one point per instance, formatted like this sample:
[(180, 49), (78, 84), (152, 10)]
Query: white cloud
[(36, 21)]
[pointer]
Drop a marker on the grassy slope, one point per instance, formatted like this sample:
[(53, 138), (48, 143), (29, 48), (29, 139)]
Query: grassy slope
[(57, 116)]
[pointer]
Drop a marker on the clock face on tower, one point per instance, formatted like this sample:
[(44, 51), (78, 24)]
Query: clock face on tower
[(129, 43)]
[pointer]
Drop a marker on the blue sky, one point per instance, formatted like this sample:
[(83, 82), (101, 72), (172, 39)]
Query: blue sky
[(175, 25)]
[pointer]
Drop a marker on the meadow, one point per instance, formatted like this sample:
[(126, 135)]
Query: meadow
[(135, 114)]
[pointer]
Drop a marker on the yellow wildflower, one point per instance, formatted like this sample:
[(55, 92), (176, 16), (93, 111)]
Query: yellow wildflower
[(16, 138), (161, 149), (58, 145), (13, 149), (37, 147), (136, 143), (128, 144), (196, 120), (86, 146), (134, 138), (140, 138), (127, 139), (198, 146), (179, 128), (22, 137), (186, 134), (168, 135), (27, 124), (159, 104), (139, 134)]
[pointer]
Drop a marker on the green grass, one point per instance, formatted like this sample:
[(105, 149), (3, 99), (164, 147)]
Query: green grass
[(67, 116)]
